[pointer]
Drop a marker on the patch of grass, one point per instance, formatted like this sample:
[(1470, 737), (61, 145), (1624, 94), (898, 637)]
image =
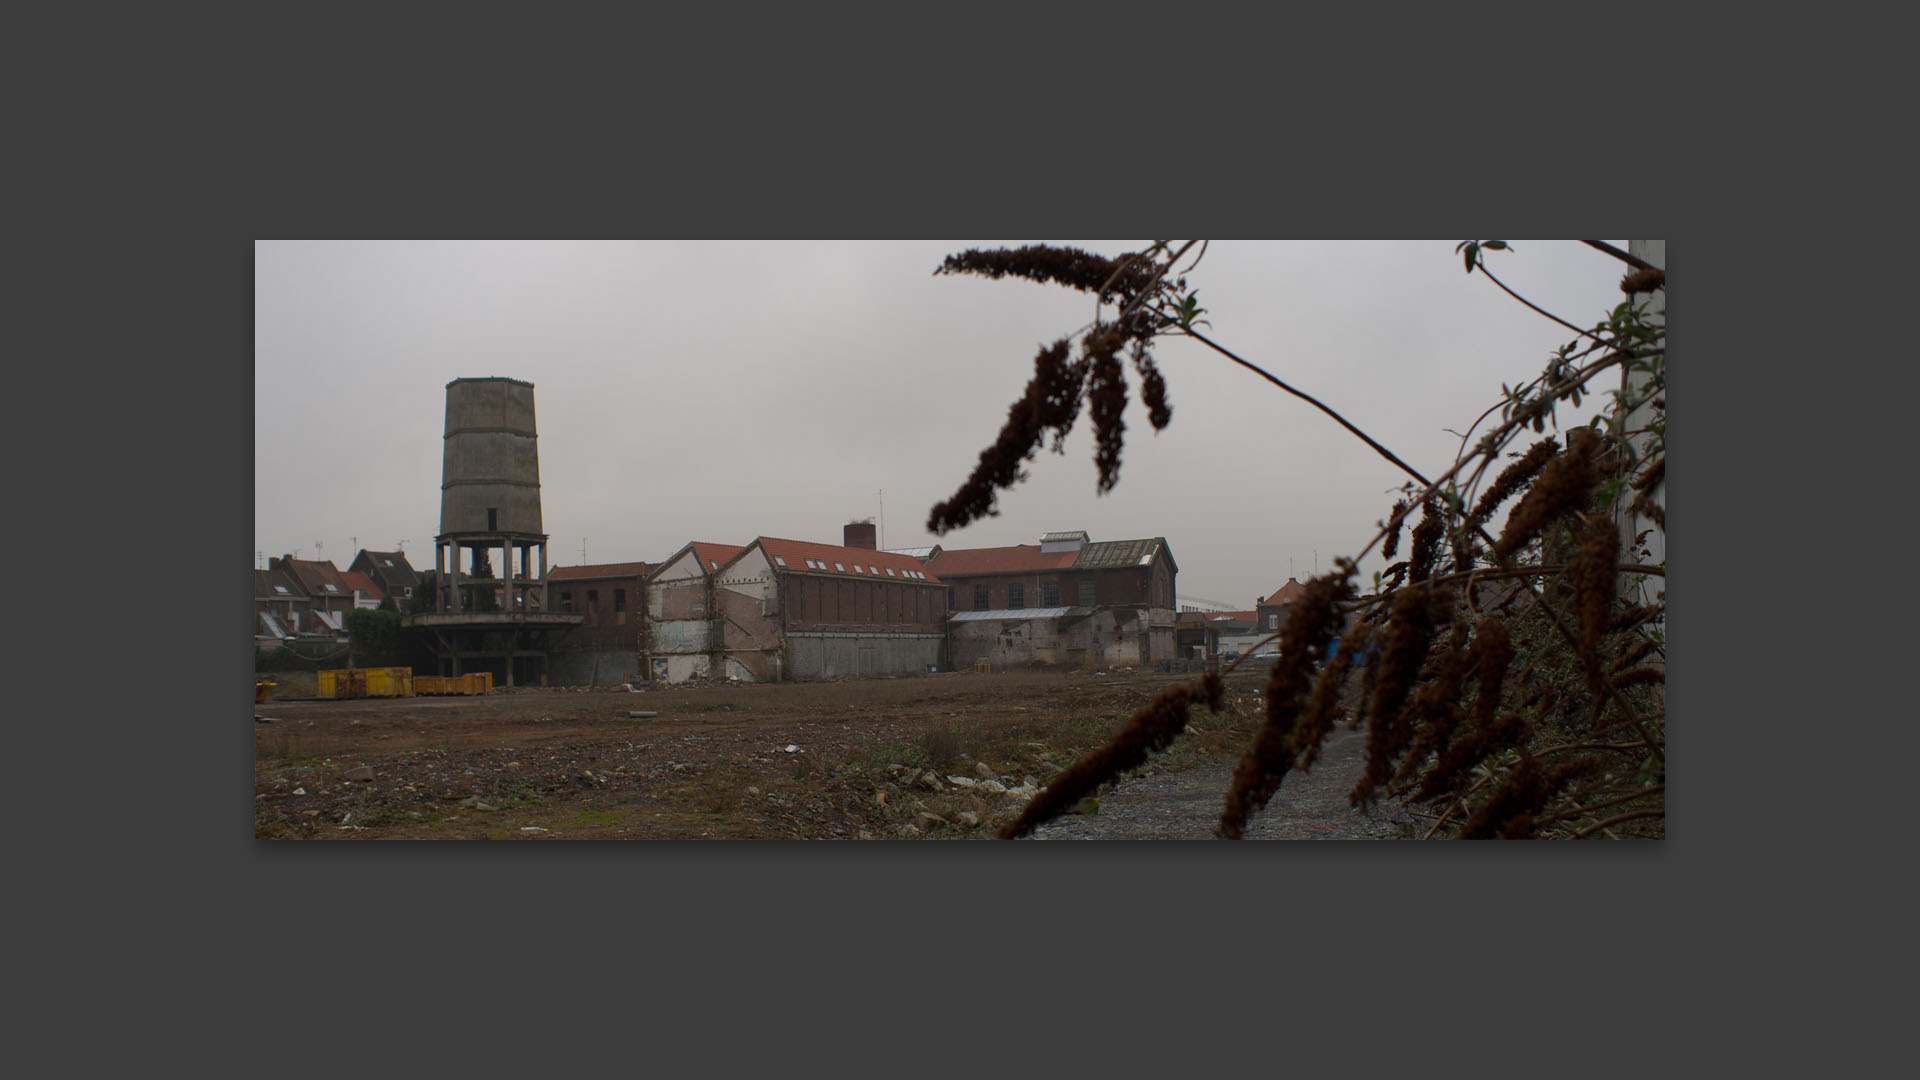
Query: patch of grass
[(591, 816), (873, 756), (951, 744)]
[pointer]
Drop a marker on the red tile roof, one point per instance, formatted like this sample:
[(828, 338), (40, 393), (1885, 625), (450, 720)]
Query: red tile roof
[(714, 556), (797, 552), (1287, 593), (599, 570), (1019, 559), (357, 580), (316, 576)]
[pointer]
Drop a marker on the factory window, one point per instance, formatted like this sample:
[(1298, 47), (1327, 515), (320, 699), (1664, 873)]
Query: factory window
[(1086, 593), (593, 599), (1016, 595), (566, 601), (979, 598), (1050, 593), (619, 599)]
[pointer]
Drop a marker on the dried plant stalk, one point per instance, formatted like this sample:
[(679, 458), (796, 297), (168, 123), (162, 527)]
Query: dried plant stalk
[(1149, 730), (1311, 620), (1565, 484)]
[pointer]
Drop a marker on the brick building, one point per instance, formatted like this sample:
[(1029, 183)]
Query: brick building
[(792, 609), (605, 649)]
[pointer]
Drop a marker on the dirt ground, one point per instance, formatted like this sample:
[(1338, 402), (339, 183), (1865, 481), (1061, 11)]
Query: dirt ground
[(866, 759)]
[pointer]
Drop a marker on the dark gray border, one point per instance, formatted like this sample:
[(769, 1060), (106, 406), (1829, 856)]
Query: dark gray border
[(347, 937)]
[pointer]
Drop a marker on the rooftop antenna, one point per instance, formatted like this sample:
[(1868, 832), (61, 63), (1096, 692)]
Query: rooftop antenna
[(259, 559), (883, 517), (402, 544), (583, 551), (318, 551)]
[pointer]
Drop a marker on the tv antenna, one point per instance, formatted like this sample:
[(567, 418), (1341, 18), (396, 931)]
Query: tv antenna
[(583, 551), (883, 518)]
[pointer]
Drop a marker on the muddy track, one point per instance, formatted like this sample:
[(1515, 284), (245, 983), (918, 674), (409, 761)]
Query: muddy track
[(1186, 805)]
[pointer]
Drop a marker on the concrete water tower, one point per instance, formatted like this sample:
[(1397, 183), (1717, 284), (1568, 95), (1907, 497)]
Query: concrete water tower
[(490, 500)]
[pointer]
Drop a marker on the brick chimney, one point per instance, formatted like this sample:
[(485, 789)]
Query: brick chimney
[(860, 534)]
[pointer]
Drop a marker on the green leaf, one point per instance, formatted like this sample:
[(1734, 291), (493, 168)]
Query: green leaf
[(1495, 245)]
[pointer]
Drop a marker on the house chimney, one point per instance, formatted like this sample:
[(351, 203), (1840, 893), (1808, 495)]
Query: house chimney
[(860, 534)]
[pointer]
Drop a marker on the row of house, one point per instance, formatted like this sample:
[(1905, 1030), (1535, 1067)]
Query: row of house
[(307, 599)]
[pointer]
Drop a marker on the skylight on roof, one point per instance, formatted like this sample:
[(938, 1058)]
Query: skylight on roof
[(280, 589), (1147, 558), (890, 571), (331, 587), (840, 568), (856, 568), (780, 560)]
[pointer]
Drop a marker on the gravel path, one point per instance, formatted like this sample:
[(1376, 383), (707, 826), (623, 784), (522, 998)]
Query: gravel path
[(1186, 805)]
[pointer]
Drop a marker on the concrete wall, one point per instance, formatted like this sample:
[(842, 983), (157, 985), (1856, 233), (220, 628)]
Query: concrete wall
[(1110, 637), (490, 458), (816, 656), (592, 667), (681, 638)]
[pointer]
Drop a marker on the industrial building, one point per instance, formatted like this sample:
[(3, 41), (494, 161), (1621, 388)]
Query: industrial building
[(792, 609), (1067, 600), (604, 650)]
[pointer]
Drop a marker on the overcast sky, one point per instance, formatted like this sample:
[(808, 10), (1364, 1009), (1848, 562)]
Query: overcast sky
[(730, 389)]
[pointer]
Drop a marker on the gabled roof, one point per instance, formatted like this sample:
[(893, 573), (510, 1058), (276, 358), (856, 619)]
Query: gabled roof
[(357, 580), (1019, 559), (1286, 594), (840, 561), (316, 577), (392, 566), (1112, 553), (277, 584), (714, 556), (599, 570)]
